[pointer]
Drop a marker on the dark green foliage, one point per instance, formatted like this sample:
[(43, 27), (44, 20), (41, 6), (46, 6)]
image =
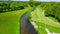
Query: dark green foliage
[(51, 9), (11, 6), (3, 6)]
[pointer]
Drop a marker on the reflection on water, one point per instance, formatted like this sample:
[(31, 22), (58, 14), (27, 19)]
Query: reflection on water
[(26, 26)]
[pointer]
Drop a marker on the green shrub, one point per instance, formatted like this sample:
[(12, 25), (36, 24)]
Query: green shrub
[(12, 6), (51, 9)]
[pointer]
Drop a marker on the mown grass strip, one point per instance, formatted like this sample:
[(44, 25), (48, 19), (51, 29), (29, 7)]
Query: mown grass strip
[(10, 21)]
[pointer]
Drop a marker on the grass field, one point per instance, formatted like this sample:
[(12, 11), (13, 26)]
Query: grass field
[(10, 21)]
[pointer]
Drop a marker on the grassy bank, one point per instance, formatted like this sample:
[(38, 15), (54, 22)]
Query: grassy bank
[(10, 21)]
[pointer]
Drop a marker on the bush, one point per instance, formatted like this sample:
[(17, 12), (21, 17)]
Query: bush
[(12, 6)]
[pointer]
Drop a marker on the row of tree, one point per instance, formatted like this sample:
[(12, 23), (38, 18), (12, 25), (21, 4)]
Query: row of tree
[(11, 6)]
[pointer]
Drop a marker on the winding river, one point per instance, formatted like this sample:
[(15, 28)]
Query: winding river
[(26, 26)]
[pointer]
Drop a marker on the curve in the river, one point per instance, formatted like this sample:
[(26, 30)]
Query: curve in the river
[(26, 26)]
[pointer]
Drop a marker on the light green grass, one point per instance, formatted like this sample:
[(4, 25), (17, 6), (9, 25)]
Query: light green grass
[(10, 21), (42, 22), (52, 18)]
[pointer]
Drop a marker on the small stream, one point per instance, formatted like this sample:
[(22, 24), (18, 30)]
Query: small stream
[(26, 26)]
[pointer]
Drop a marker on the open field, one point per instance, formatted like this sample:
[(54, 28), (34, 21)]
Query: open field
[(10, 21)]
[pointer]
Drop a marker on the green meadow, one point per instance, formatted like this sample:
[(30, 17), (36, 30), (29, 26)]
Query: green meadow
[(10, 21)]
